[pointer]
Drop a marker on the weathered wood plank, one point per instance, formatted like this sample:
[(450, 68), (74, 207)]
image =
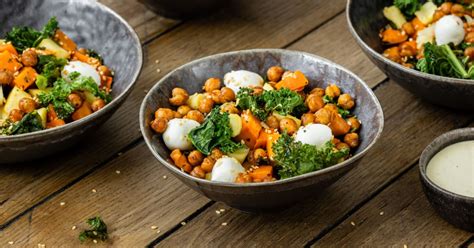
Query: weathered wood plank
[(255, 25), (399, 147)]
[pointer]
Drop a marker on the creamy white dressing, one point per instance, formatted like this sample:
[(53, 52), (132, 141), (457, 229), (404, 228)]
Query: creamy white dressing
[(452, 168)]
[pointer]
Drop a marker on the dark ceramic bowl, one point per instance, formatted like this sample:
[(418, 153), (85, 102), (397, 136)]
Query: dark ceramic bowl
[(183, 9), (455, 209), (365, 19), (91, 25), (252, 197)]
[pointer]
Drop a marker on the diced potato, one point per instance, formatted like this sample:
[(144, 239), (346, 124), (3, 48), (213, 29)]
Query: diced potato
[(235, 124), (13, 100), (36, 92), (267, 86), (240, 154), (426, 12), (279, 117), (394, 15), (194, 100), (53, 47), (43, 112)]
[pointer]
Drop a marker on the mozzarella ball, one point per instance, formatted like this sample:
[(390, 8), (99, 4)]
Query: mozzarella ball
[(314, 134), (241, 79), (176, 134), (449, 29), (84, 69), (226, 169)]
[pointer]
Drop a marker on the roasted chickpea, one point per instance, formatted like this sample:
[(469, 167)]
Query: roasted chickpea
[(216, 96), (446, 7), (335, 141), (345, 101), (16, 115), (243, 178), (198, 172), (342, 145), (159, 125), (27, 105), (331, 107), (97, 105), (206, 105), (230, 108), (183, 110), (29, 58), (393, 53), (259, 154), (75, 100), (272, 122), (212, 84), (104, 71), (195, 157), (352, 139), (457, 9), (208, 164), (288, 125), (166, 113), (332, 91), (6, 77), (227, 95), (322, 116), (355, 123), (314, 102), (469, 38), (179, 96), (438, 15), (406, 50), (274, 73), (179, 159), (216, 154), (317, 91), (195, 115), (307, 118), (408, 28)]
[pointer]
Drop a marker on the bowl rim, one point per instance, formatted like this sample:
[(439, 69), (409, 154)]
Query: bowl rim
[(383, 59), (163, 161), (108, 107), (425, 158)]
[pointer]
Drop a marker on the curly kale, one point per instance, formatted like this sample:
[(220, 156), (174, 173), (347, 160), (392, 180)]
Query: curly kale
[(97, 231), (31, 122), (26, 37), (408, 7), (49, 68)]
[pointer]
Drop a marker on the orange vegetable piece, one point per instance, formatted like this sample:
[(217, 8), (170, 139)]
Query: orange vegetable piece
[(64, 41), (85, 58), (55, 123), (294, 81), (250, 129), (412, 44), (107, 83), (51, 113), (417, 24), (393, 53), (8, 47), (272, 138), (262, 172), (393, 36), (25, 78), (263, 138), (338, 125), (82, 112), (9, 62)]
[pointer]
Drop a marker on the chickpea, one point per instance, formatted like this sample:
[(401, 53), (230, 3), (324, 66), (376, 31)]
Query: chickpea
[(314, 102), (6, 77), (333, 91), (29, 57), (16, 115), (342, 145), (406, 50), (331, 107), (216, 96), (438, 15), (216, 154), (243, 178), (198, 172), (408, 28), (345, 101), (288, 125), (307, 118), (75, 100), (179, 159), (104, 71), (166, 113), (97, 105), (195, 115), (335, 141), (322, 116), (208, 164), (272, 122), (274, 73), (178, 100), (469, 52), (259, 154), (183, 110), (27, 105), (227, 95), (230, 108), (352, 139), (159, 125), (354, 123), (317, 91), (206, 105), (446, 7), (195, 158), (457, 9), (212, 84), (469, 38)]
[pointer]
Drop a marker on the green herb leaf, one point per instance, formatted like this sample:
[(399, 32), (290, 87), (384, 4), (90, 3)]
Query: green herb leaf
[(50, 67), (26, 37), (442, 61), (408, 7), (31, 122), (97, 231)]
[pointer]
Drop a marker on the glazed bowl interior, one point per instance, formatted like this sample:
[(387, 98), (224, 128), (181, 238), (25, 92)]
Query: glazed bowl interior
[(319, 71)]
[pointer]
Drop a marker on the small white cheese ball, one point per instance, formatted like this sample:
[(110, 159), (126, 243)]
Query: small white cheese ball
[(449, 29), (84, 69), (226, 169), (314, 134), (176, 134), (241, 79)]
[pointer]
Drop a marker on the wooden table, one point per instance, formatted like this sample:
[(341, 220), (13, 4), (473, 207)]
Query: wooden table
[(379, 203)]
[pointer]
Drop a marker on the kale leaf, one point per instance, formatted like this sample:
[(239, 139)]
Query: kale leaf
[(214, 132), (26, 37), (247, 100), (408, 7), (295, 158), (50, 68), (97, 231), (31, 122)]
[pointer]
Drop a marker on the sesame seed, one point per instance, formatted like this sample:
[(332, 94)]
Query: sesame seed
[(157, 61), (158, 231), (224, 224), (73, 228), (41, 245), (183, 223), (158, 70), (117, 171), (154, 227), (11, 242), (352, 223), (405, 246), (94, 191), (164, 177), (222, 210), (119, 154), (218, 212), (381, 213), (62, 203), (95, 241)]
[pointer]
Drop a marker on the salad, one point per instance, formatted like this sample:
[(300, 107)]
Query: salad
[(244, 129), (435, 37), (47, 80)]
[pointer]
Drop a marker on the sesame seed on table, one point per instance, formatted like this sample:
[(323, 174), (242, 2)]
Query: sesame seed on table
[(379, 203)]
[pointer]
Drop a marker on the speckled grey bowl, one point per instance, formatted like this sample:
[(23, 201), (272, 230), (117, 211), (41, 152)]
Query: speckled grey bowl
[(365, 19), (252, 197), (91, 25), (455, 209), (183, 9)]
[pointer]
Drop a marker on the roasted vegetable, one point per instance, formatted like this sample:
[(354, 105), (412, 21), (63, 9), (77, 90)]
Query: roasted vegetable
[(26, 37)]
